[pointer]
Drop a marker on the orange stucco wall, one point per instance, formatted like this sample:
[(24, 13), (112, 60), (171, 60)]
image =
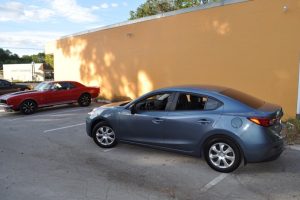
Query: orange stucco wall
[(252, 46)]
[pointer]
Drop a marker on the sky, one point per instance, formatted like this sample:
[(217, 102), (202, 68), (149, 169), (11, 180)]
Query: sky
[(27, 25)]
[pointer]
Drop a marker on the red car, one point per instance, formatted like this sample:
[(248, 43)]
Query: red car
[(49, 94)]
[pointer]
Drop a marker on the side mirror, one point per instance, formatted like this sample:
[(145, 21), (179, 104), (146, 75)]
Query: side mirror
[(133, 109)]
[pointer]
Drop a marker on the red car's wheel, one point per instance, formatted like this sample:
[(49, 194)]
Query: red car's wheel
[(84, 100), (28, 107)]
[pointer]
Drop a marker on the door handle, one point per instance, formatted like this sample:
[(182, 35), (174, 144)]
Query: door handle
[(157, 120), (204, 121)]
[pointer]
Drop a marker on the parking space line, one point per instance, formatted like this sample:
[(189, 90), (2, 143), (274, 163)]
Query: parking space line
[(50, 114), (65, 127), (107, 150), (213, 182)]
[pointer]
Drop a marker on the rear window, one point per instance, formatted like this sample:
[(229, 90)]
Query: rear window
[(247, 99)]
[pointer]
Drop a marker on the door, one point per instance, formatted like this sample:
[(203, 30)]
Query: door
[(193, 115), (57, 94), (69, 90), (147, 124)]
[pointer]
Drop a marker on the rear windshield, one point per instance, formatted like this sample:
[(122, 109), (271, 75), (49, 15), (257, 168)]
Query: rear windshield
[(247, 99)]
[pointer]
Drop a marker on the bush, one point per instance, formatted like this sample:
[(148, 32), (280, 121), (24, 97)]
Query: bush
[(291, 130)]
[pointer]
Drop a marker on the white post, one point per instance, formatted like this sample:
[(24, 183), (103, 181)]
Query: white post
[(33, 70), (298, 99)]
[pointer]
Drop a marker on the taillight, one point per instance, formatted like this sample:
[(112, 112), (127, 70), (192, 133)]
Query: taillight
[(262, 121)]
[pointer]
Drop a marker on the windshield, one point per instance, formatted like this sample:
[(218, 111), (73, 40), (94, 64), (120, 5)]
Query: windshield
[(125, 103), (43, 86)]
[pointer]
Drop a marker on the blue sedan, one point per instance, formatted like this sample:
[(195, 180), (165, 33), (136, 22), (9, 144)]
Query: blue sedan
[(223, 125)]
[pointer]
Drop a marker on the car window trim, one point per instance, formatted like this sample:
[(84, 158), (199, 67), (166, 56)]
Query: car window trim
[(174, 103)]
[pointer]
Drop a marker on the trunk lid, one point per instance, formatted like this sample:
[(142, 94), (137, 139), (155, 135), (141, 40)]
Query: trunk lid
[(270, 110)]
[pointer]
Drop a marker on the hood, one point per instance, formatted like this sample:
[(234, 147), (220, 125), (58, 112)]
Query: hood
[(121, 103), (6, 96), (106, 108)]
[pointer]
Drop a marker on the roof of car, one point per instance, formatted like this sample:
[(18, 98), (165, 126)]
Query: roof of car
[(210, 88)]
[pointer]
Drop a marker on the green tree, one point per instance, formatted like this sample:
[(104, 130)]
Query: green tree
[(153, 7), (49, 61), (7, 57), (38, 58)]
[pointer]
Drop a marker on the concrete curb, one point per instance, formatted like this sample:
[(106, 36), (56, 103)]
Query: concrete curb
[(102, 101), (294, 147)]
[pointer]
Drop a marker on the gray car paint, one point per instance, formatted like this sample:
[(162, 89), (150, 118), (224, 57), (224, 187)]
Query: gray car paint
[(185, 131)]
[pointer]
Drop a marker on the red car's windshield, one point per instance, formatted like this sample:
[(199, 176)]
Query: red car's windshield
[(43, 86)]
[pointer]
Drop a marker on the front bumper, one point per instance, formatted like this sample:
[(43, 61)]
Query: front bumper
[(88, 126), (6, 108)]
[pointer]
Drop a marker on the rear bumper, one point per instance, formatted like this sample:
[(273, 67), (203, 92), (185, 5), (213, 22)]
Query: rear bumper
[(264, 152), (6, 108)]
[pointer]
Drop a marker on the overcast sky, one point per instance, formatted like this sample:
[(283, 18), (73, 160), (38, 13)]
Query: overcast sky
[(26, 25)]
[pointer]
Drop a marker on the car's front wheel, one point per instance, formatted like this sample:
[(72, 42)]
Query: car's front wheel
[(104, 135), (222, 155), (28, 107)]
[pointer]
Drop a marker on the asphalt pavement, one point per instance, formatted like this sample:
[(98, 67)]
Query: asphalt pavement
[(48, 156)]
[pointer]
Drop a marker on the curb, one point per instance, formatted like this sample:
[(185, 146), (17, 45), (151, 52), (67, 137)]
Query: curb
[(294, 147), (102, 101)]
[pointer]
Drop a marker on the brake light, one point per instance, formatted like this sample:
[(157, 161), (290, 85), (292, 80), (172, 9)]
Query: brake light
[(262, 121)]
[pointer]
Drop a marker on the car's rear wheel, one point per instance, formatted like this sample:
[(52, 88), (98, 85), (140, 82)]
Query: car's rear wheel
[(104, 135), (222, 154), (85, 100), (28, 107)]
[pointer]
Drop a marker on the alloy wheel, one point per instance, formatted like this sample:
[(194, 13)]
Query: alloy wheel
[(105, 135), (28, 107), (221, 155), (85, 100)]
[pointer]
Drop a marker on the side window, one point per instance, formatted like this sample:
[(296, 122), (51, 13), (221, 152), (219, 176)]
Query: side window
[(154, 103), (71, 86), (57, 86), (65, 85), (212, 104), (196, 102), (1, 83)]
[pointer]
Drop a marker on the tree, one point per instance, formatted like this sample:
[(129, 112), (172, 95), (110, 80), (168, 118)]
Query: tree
[(49, 61), (7, 57), (153, 7)]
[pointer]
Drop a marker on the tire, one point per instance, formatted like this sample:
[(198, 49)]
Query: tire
[(104, 135), (84, 100), (222, 154), (28, 107)]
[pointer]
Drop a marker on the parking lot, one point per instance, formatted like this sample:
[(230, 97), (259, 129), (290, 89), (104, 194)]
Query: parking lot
[(49, 156)]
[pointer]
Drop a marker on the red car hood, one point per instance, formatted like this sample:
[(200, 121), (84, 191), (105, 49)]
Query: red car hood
[(6, 96)]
